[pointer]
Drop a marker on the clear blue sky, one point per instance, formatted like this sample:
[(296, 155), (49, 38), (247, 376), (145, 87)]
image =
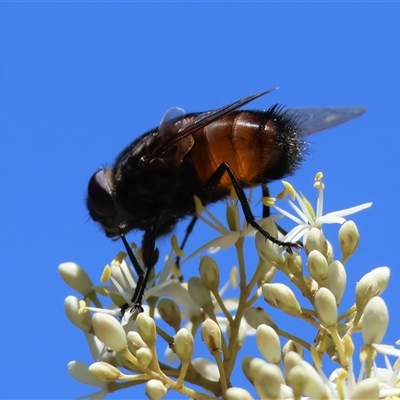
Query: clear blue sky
[(79, 81)]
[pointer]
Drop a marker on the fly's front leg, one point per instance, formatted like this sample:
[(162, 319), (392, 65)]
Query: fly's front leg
[(150, 258)]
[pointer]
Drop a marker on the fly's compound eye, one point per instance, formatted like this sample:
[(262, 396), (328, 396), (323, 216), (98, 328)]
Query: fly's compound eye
[(100, 198)]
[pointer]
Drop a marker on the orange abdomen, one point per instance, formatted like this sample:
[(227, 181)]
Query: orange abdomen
[(251, 142)]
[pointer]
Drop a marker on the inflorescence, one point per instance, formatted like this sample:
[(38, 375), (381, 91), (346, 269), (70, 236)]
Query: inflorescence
[(125, 344)]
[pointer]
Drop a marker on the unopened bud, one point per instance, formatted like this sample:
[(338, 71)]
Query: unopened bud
[(155, 389), (315, 387), (382, 276), (366, 389), (211, 334), (256, 316), (236, 393), (329, 252), (297, 378), (268, 344), (281, 296), (366, 288), (198, 292), (292, 346), (136, 340), (294, 264), (375, 321), (146, 328), (315, 240), (209, 273), (290, 360), (267, 381), (250, 366), (110, 331), (80, 320), (144, 356), (348, 238), (170, 313), (207, 369), (104, 372), (74, 276), (267, 250), (184, 345), (317, 265), (325, 304), (336, 280)]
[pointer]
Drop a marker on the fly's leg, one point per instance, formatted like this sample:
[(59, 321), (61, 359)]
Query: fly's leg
[(213, 183), (150, 258)]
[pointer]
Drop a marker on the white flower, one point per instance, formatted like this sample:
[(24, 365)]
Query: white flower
[(306, 217), (228, 235)]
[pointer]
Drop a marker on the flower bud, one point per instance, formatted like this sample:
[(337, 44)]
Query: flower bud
[(184, 344), (280, 296), (368, 388), (211, 334), (290, 360), (382, 275), (366, 288), (109, 331), (267, 250), (198, 292), (256, 316), (267, 381), (97, 350), (297, 378), (325, 304), (348, 238), (74, 276), (292, 346), (136, 340), (315, 387), (294, 264), (155, 389), (315, 240), (207, 369), (80, 371), (268, 344), (170, 313), (336, 280), (375, 321), (80, 320), (104, 372), (144, 356), (317, 265), (329, 252), (236, 393), (146, 328), (209, 273), (250, 366)]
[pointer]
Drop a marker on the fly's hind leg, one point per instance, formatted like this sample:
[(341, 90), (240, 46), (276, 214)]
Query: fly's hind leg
[(213, 183)]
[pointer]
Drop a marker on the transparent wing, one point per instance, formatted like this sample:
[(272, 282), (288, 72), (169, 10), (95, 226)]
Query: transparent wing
[(315, 119), (171, 120), (173, 128)]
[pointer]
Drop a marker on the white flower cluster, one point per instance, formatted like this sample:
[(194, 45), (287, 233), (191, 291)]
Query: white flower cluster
[(122, 339)]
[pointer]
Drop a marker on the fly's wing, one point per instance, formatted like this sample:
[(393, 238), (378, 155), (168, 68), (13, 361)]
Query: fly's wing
[(315, 119), (171, 121), (174, 129)]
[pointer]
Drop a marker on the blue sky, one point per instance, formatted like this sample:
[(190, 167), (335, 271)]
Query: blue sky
[(79, 81)]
